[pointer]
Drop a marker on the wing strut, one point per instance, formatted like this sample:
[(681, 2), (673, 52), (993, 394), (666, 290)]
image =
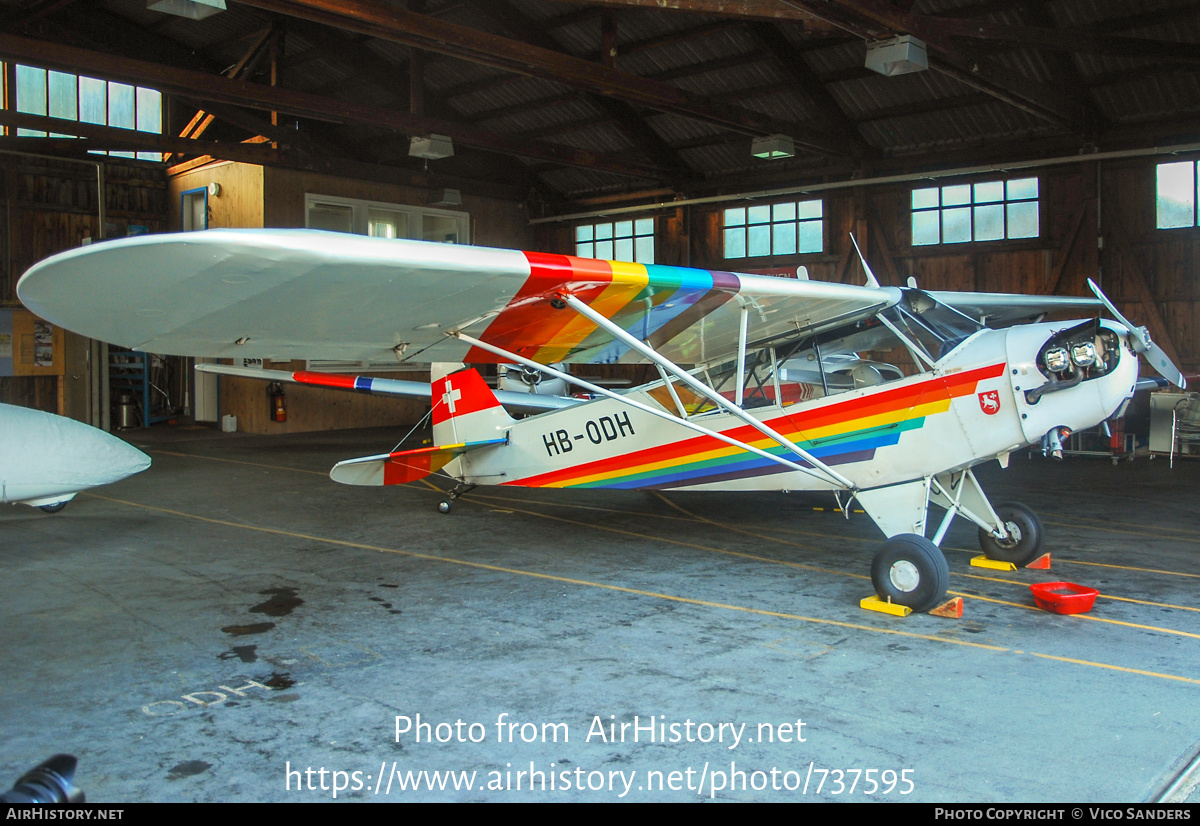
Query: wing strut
[(601, 391), (703, 389)]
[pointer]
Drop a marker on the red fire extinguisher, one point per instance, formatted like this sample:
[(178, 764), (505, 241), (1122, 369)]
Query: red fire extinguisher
[(278, 402)]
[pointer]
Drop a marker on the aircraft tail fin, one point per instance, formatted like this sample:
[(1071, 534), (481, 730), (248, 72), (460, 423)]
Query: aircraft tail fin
[(466, 410)]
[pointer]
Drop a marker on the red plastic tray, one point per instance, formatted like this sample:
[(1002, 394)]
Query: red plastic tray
[(1064, 597)]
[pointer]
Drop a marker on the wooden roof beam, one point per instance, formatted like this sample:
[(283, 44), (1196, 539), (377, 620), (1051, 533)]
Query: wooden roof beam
[(429, 33), (257, 96)]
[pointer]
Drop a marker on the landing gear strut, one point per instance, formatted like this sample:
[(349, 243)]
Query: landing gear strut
[(457, 491)]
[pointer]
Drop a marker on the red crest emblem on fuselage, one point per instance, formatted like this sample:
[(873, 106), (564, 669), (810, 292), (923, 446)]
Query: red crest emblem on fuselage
[(989, 402)]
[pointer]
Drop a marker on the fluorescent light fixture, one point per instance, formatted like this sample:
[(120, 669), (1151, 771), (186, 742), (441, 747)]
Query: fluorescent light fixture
[(445, 197), (431, 147), (772, 147), (193, 9), (897, 55)]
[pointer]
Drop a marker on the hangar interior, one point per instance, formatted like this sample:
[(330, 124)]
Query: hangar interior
[(992, 146)]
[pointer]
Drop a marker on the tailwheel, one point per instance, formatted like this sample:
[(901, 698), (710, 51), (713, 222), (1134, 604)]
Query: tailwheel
[(1025, 532), (910, 570)]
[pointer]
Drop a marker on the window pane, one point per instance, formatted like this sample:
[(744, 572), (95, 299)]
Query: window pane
[(583, 233), (149, 110), (925, 198), (587, 250), (604, 250), (783, 212), (758, 214), (31, 90), (93, 100), (954, 195), (120, 105), (956, 225), (439, 228), (604, 231), (331, 217), (810, 209), (990, 192), (624, 229), (925, 228), (759, 240), (735, 217), (385, 223), (783, 240), (31, 96), (811, 237), (1176, 195), (623, 249), (989, 222), (63, 89), (1023, 220), (735, 242), (644, 226), (1023, 188), (644, 249)]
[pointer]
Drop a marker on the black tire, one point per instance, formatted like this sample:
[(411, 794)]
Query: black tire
[(1026, 531), (55, 508), (444, 507), (910, 570)]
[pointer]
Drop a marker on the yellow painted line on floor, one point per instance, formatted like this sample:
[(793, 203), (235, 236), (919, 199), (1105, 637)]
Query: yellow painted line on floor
[(1109, 667), (640, 592), (1134, 530), (1058, 560), (733, 528), (1140, 529), (549, 577), (236, 462), (1088, 616), (1102, 596)]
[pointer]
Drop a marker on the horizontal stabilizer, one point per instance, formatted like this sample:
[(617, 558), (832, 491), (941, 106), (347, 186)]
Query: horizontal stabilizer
[(519, 402), (403, 466)]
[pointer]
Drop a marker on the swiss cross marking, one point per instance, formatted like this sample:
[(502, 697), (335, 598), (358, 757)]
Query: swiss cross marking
[(450, 397)]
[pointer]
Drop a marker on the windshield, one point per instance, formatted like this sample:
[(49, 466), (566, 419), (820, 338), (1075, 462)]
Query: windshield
[(929, 324)]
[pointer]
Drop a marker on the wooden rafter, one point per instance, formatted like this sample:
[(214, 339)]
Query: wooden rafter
[(465, 43), (256, 96)]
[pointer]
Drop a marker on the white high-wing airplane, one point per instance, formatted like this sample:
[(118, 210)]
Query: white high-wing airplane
[(788, 384), (46, 459)]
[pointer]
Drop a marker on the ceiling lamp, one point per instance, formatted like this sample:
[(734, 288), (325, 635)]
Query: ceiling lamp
[(897, 55), (194, 9), (431, 147), (772, 147), (445, 197)]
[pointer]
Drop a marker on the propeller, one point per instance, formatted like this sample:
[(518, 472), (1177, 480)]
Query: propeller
[(1139, 339)]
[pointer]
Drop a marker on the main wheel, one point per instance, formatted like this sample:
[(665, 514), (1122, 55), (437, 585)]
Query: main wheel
[(1025, 535), (55, 508), (910, 570)]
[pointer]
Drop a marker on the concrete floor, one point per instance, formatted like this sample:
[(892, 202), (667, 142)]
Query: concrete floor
[(197, 632)]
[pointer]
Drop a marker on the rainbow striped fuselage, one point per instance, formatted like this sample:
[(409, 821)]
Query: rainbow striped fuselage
[(876, 436)]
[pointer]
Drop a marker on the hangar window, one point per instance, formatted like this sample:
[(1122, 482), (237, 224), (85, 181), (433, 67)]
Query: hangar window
[(1176, 195), (617, 241), (86, 100), (988, 211), (774, 229), (381, 220)]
